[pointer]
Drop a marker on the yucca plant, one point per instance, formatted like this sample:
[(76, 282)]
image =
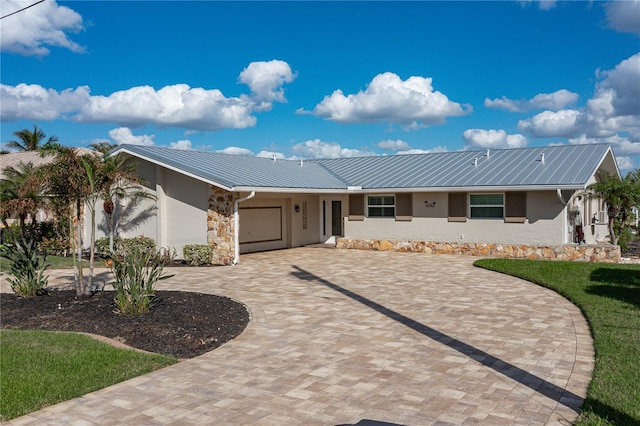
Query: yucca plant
[(136, 275), (27, 267)]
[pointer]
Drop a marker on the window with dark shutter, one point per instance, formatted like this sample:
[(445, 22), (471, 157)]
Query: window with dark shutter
[(515, 205), (404, 207), (457, 207), (356, 206)]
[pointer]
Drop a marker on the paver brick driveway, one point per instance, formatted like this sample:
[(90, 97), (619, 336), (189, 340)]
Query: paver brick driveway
[(345, 337)]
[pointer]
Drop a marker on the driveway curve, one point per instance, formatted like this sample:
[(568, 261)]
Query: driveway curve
[(347, 337)]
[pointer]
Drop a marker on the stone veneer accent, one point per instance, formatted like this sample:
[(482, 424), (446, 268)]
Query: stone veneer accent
[(220, 229), (587, 252)]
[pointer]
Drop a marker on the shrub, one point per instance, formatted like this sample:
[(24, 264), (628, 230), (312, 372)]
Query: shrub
[(167, 254), (102, 247), (145, 244), (197, 254), (136, 275), (57, 246), (27, 268), (121, 246)]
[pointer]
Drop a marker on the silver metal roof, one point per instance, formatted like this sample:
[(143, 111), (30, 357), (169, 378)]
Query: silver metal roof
[(235, 172), (564, 167)]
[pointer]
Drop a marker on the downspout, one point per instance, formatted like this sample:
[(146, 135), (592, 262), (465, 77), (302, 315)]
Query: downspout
[(564, 216), (236, 226)]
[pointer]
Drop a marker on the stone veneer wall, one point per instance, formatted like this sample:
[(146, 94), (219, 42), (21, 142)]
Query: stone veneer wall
[(587, 253), (220, 229)]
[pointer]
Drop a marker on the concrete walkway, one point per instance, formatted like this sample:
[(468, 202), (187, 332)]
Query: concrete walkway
[(346, 337)]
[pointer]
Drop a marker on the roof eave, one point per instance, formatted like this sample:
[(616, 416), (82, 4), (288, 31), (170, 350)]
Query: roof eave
[(170, 167), (503, 188)]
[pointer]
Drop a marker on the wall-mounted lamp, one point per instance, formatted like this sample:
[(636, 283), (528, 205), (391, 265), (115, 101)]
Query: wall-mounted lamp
[(297, 208)]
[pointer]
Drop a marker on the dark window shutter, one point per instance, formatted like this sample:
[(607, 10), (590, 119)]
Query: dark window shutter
[(404, 206), (356, 206), (515, 205), (457, 207)]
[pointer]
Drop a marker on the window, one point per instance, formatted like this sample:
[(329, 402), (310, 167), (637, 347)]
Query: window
[(486, 206), (381, 206)]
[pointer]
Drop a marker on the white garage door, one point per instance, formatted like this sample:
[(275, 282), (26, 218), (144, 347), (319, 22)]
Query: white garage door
[(262, 228)]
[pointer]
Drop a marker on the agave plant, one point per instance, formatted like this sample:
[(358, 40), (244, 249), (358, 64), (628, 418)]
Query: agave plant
[(27, 268)]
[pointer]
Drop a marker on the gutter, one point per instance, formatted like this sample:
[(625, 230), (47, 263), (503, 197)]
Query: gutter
[(236, 226), (559, 194)]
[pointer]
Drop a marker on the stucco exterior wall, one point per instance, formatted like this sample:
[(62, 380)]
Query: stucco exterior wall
[(297, 228), (544, 223), (181, 214), (186, 210)]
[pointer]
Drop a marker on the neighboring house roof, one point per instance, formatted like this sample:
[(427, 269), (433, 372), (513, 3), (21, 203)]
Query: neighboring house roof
[(564, 167), (12, 159)]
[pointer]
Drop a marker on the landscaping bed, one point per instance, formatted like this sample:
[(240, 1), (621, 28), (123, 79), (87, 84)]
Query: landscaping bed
[(181, 324)]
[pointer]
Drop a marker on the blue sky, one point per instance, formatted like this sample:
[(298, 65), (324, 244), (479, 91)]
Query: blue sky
[(324, 79)]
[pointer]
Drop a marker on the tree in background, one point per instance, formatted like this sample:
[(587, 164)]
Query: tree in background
[(21, 194), (120, 185), (30, 140), (620, 196)]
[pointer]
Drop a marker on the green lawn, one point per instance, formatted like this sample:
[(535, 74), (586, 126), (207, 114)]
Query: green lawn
[(609, 297), (41, 368), (56, 262)]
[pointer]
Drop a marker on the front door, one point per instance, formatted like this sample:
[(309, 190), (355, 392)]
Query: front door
[(331, 218)]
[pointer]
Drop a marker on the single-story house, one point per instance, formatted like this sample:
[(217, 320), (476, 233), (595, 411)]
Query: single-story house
[(524, 202)]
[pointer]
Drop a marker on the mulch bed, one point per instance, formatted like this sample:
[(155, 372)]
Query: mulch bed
[(182, 324)]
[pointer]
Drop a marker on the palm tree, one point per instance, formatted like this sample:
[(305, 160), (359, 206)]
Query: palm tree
[(103, 147), (30, 140), (69, 188), (118, 181), (21, 193), (620, 196)]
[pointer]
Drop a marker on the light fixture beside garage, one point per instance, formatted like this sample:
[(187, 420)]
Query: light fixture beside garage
[(297, 208)]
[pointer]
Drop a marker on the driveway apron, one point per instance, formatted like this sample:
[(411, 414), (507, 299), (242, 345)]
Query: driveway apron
[(348, 337)]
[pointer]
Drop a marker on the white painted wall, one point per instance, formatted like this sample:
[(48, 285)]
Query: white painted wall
[(544, 224), (181, 214), (185, 213)]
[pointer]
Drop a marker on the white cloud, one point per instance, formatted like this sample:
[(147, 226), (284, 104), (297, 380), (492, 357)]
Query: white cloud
[(30, 32), (542, 4), (554, 101), (621, 145), (623, 16), (234, 150), (175, 106), (184, 144), (271, 154), (265, 79), (32, 101), (620, 88), (393, 145), (123, 135), (612, 115), (625, 164), (318, 149), (423, 151), (563, 123), (479, 138), (412, 103)]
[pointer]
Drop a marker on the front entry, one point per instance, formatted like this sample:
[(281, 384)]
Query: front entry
[(331, 217)]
